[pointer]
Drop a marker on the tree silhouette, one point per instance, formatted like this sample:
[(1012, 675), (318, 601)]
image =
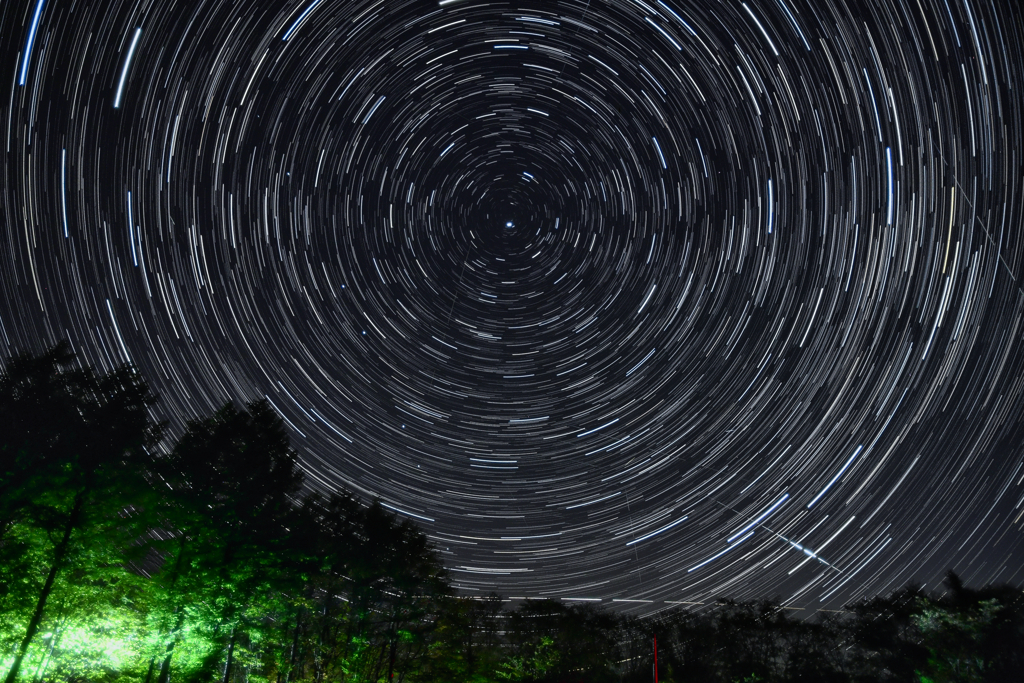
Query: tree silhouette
[(374, 597), (231, 482), (74, 449), (972, 635), (552, 641), (467, 644)]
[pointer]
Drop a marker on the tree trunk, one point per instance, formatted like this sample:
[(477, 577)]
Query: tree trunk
[(231, 655), (318, 656), (59, 555), (165, 666), (375, 675), (294, 653), (149, 671), (391, 663), (41, 672)]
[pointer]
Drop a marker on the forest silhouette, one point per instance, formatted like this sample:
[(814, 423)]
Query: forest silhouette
[(127, 556)]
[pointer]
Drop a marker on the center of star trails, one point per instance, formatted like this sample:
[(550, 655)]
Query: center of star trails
[(692, 285)]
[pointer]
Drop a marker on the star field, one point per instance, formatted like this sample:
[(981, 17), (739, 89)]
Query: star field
[(630, 301)]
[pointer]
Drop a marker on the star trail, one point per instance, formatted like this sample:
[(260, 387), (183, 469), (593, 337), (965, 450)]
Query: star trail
[(637, 302)]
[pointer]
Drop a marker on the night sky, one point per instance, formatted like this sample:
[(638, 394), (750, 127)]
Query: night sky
[(632, 301)]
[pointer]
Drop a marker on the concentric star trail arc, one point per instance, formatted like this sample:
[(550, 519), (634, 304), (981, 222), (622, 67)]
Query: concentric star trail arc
[(590, 291)]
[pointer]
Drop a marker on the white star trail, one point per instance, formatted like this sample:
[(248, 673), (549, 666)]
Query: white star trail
[(647, 302)]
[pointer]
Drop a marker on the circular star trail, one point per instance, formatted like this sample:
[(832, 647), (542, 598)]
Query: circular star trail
[(634, 301)]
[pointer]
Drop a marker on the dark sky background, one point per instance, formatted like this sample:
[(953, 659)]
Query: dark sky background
[(632, 301)]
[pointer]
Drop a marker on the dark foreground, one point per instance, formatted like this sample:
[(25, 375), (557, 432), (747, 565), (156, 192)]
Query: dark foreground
[(127, 557)]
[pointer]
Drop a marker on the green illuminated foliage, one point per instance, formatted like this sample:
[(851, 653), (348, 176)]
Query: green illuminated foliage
[(74, 450), (972, 635), (535, 662), (465, 646), (231, 479)]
